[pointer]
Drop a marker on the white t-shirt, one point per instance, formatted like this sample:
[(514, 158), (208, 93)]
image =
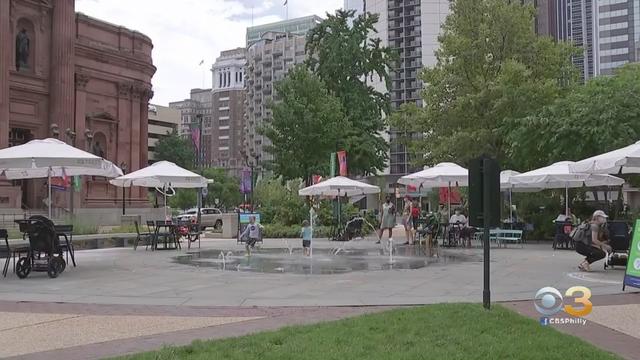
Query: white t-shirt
[(455, 219)]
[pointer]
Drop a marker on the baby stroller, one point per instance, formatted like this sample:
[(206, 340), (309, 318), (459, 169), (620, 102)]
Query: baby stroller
[(45, 253), (351, 230), (619, 240)]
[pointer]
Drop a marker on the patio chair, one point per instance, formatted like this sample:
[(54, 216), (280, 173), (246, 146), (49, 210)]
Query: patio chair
[(194, 234), (147, 236), (66, 232), (562, 238)]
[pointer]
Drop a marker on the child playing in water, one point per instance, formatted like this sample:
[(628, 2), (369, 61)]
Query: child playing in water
[(255, 234), (306, 233)]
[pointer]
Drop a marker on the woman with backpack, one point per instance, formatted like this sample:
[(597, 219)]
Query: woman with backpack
[(588, 240)]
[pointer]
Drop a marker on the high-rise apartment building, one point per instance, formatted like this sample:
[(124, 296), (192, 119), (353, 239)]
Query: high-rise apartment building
[(411, 27), (228, 110), (268, 61), (618, 34), (607, 31), (297, 26), (199, 103)]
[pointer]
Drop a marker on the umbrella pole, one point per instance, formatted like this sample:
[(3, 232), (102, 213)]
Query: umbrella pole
[(311, 224), (566, 199), (511, 206), (449, 199), (164, 192), (49, 189)]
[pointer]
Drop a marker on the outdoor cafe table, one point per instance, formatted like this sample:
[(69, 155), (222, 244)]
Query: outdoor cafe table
[(168, 234)]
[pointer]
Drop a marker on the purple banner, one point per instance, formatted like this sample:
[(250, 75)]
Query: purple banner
[(245, 181)]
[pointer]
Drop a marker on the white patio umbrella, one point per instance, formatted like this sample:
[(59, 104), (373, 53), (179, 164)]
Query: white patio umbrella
[(558, 176), (52, 158), (442, 175), (621, 161), (337, 186), (162, 174)]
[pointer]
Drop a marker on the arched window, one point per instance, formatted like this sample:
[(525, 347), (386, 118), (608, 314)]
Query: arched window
[(25, 45)]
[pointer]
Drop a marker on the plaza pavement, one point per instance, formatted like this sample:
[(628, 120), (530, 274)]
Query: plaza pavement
[(121, 301)]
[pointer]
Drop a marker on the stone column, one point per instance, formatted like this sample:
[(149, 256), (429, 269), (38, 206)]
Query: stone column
[(5, 61), (147, 94), (124, 118), (136, 95), (80, 125), (62, 63)]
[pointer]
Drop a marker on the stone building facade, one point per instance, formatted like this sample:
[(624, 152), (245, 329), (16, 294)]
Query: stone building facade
[(63, 70), (228, 111)]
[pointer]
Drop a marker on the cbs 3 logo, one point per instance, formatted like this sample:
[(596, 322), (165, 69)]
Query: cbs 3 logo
[(549, 301)]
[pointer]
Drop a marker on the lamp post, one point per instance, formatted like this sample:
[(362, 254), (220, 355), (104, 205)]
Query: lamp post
[(199, 163), (123, 166)]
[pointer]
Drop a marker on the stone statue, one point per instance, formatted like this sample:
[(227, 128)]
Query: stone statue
[(97, 149), (22, 50)]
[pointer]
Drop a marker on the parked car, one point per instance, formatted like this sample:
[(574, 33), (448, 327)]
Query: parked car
[(209, 217)]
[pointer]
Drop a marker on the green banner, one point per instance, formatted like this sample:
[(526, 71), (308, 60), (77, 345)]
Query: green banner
[(77, 183), (632, 275), (332, 171)]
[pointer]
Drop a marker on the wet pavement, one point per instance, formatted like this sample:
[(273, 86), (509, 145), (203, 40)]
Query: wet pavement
[(324, 261)]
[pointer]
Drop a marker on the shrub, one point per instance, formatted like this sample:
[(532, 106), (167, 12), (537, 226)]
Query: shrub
[(279, 231)]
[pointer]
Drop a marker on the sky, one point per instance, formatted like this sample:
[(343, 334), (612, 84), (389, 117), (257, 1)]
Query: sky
[(185, 32)]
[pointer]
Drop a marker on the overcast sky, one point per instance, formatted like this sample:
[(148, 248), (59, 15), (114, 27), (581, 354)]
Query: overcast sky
[(185, 32)]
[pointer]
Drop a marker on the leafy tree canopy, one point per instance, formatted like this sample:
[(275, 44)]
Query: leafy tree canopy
[(176, 149), (225, 188), (345, 59), (306, 126), (600, 116), (491, 67)]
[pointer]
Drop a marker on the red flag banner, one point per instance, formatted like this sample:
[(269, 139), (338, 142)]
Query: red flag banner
[(456, 198), (60, 183), (342, 162)]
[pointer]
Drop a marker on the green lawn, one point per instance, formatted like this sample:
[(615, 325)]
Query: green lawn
[(444, 331)]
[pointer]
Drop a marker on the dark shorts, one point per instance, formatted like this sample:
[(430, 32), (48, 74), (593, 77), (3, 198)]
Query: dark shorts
[(306, 243), (414, 222), (251, 242)]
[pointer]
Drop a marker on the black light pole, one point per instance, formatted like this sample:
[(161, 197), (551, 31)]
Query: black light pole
[(123, 166)]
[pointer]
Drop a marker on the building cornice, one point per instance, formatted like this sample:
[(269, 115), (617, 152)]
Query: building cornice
[(115, 58)]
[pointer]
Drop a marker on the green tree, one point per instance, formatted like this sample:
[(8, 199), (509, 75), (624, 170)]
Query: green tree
[(183, 199), (346, 59), (491, 67), (306, 124), (600, 116), (225, 188), (176, 149), (279, 202)]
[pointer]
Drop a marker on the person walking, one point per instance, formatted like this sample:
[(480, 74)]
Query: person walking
[(590, 240), (306, 233), (406, 220), (387, 219), (254, 231)]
